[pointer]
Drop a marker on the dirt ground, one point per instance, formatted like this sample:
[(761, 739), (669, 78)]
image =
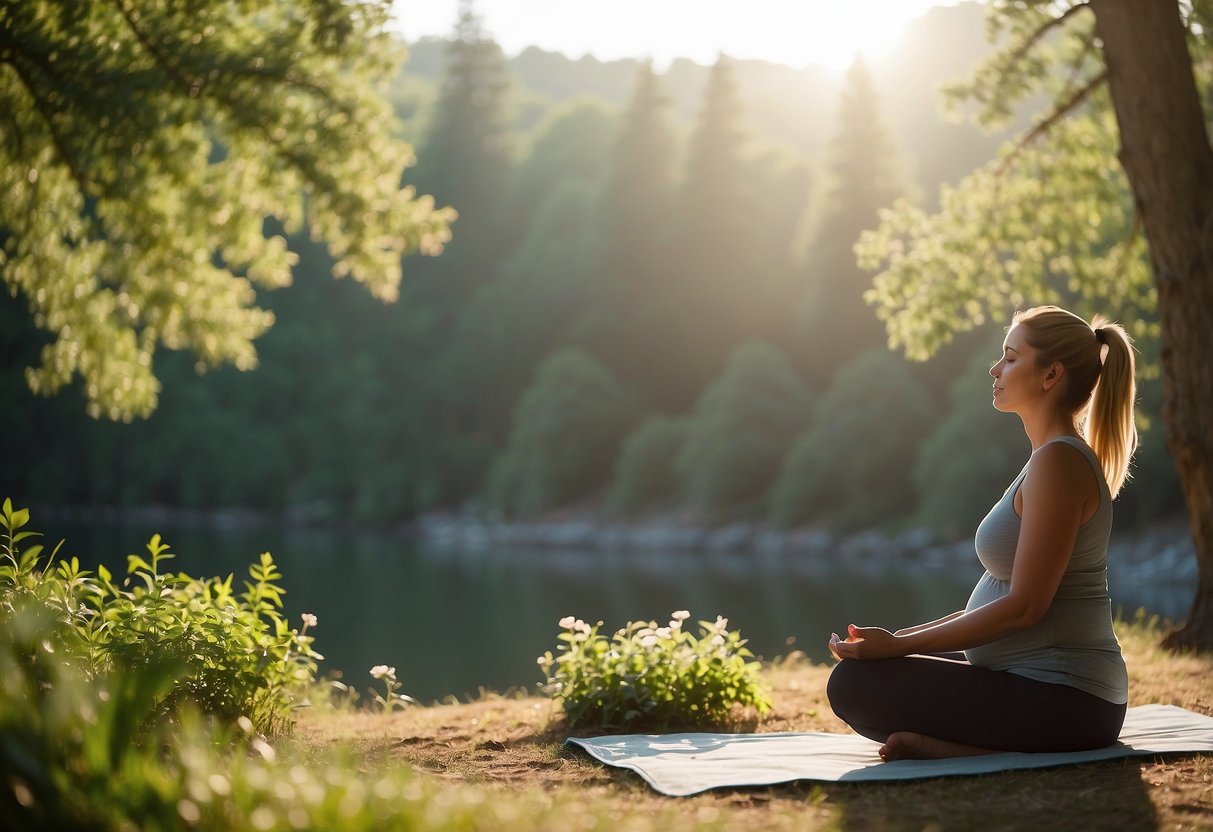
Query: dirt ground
[(517, 742)]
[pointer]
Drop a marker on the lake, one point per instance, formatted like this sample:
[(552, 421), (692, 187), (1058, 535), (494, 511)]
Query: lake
[(452, 623)]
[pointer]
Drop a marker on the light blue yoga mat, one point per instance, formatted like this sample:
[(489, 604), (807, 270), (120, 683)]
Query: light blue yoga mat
[(684, 764)]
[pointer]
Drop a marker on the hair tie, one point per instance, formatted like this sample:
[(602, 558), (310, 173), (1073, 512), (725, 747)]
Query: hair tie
[(1101, 335)]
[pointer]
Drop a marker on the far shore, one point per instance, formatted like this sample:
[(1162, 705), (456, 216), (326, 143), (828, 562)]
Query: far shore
[(1161, 551)]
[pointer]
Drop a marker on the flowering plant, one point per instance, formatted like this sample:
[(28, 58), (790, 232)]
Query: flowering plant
[(653, 675), (391, 698)]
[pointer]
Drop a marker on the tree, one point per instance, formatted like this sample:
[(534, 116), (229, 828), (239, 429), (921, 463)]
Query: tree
[(646, 472), (629, 327), (572, 142), (1036, 223), (835, 326), (144, 146), (566, 434), (509, 325), (465, 159), (741, 429), (719, 282), (853, 466)]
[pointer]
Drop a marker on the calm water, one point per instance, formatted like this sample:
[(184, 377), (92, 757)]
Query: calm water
[(451, 624)]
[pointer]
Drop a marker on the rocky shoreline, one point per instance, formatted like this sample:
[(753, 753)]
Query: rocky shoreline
[(1162, 552)]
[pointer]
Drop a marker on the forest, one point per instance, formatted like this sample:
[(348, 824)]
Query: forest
[(650, 304)]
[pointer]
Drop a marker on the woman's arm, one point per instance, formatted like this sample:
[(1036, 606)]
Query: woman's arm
[(905, 631), (1054, 492)]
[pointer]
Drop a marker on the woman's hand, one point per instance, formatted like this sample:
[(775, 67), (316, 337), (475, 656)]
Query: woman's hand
[(866, 643)]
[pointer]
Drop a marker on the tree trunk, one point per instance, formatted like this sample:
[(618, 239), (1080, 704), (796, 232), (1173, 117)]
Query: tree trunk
[(1166, 155)]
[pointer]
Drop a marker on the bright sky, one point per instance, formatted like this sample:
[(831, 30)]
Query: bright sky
[(793, 32)]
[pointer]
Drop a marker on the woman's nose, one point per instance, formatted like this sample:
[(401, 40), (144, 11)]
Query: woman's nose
[(994, 369)]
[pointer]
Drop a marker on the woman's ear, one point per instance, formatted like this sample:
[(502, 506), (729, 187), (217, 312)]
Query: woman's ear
[(1054, 374)]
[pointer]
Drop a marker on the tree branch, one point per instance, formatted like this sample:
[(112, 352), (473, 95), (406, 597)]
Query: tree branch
[(192, 88), (1063, 110), (1035, 38), (147, 44), (83, 180)]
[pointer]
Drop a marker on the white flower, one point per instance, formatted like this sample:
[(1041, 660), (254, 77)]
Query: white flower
[(680, 615), (543, 661), (309, 620), (645, 632), (648, 641), (675, 624), (581, 626), (381, 671), (718, 640), (721, 622), (567, 622), (664, 632)]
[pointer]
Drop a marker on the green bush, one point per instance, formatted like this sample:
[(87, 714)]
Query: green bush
[(853, 468), (742, 428), (72, 756), (84, 743), (645, 473), (653, 676), (566, 433), (236, 652)]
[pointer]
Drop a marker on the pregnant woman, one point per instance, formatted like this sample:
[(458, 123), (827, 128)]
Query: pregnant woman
[(1031, 663)]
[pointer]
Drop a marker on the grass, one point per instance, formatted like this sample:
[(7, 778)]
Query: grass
[(510, 750)]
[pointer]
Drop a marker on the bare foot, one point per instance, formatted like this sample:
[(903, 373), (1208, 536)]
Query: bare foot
[(906, 745)]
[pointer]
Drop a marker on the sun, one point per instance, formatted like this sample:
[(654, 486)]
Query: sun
[(827, 34), (798, 33)]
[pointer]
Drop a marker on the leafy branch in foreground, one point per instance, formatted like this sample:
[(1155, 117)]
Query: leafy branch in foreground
[(143, 147)]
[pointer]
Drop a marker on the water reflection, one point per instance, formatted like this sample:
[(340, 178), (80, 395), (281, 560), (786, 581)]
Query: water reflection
[(452, 623)]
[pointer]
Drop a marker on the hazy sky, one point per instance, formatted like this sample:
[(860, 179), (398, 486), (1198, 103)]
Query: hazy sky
[(794, 32)]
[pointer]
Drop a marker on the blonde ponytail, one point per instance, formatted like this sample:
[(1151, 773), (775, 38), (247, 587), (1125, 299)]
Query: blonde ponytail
[(1109, 427)]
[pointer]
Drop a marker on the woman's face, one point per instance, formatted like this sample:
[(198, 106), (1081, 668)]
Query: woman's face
[(1017, 378)]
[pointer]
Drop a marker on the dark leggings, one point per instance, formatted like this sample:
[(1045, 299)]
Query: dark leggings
[(947, 698)]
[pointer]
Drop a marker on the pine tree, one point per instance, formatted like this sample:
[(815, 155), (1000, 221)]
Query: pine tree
[(467, 164), (717, 279), (464, 159), (627, 330), (835, 325)]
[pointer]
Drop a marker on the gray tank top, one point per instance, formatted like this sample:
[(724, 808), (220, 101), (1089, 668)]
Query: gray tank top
[(1073, 643)]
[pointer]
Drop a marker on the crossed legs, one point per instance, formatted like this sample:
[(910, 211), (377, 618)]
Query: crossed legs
[(936, 706)]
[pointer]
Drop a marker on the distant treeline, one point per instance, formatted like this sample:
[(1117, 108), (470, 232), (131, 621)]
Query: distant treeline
[(650, 303)]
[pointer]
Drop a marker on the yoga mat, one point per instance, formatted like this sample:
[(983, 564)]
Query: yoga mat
[(684, 764)]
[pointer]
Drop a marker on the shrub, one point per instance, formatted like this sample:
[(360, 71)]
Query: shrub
[(650, 675), (742, 428), (83, 744), (71, 757), (236, 652), (645, 473)]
